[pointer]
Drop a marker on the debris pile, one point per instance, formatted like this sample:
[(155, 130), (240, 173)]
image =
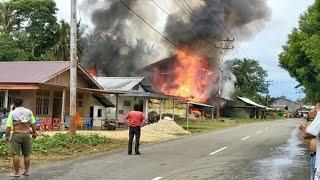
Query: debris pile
[(165, 127)]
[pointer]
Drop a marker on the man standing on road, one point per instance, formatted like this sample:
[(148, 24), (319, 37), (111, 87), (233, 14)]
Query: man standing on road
[(313, 132), (20, 120), (135, 120)]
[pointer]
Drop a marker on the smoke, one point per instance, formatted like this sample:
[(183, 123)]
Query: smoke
[(120, 43), (214, 20)]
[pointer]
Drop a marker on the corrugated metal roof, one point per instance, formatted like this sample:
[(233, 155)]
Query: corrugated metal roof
[(249, 101), (119, 83), (31, 71), (150, 95)]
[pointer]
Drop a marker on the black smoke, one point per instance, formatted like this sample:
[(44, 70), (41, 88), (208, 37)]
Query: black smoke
[(117, 52)]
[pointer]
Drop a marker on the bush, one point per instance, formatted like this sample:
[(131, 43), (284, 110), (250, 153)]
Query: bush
[(59, 142)]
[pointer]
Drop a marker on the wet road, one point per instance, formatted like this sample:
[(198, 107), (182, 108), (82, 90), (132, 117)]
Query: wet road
[(266, 150)]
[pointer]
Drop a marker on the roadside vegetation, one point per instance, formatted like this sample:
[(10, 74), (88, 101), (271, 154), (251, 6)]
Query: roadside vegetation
[(61, 147), (205, 125)]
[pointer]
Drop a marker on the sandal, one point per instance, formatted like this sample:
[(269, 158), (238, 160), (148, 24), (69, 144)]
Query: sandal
[(14, 175), (25, 174)]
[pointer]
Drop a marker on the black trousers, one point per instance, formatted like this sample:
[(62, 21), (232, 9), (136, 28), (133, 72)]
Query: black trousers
[(134, 131)]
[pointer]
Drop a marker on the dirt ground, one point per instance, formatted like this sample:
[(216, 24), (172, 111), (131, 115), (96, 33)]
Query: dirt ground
[(160, 131)]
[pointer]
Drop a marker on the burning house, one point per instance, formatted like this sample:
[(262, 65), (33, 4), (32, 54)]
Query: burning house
[(121, 44)]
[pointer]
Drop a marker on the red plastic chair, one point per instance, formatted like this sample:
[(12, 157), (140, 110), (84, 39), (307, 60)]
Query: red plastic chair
[(46, 124), (56, 122)]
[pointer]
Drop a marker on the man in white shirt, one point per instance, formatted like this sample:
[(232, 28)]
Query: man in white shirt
[(311, 132)]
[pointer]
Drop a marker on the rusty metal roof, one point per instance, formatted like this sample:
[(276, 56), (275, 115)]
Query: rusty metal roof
[(31, 71)]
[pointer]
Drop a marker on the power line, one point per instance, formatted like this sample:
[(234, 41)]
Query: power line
[(191, 13), (239, 51), (148, 24), (172, 18), (188, 13)]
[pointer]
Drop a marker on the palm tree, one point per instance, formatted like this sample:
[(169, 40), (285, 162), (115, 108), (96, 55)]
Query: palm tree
[(7, 20)]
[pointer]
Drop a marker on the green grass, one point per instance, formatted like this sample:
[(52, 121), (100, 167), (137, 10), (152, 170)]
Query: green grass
[(61, 147), (203, 126)]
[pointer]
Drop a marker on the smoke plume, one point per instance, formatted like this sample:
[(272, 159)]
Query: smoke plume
[(120, 43)]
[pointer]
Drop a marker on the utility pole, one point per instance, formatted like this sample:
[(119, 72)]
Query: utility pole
[(73, 67), (224, 47), (268, 83)]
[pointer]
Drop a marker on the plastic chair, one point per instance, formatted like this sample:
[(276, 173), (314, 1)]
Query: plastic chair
[(38, 124), (88, 123), (56, 122)]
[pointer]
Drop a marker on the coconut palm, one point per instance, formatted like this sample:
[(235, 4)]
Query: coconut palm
[(7, 20)]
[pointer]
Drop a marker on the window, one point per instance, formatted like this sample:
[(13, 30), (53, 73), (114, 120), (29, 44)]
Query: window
[(45, 107), (99, 112), (80, 100), (38, 106), (42, 102), (127, 103)]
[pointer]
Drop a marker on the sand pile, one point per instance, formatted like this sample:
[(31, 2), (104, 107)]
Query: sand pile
[(160, 131), (166, 127)]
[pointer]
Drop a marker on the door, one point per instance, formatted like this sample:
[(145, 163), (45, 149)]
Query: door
[(57, 107), (91, 111)]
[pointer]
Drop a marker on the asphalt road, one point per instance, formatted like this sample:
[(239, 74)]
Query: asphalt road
[(266, 150)]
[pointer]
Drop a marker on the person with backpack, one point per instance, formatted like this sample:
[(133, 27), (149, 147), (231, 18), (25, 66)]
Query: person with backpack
[(19, 121), (135, 119)]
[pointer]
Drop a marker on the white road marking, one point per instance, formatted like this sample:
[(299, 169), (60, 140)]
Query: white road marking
[(266, 128), (219, 150), (247, 137), (258, 132), (157, 178)]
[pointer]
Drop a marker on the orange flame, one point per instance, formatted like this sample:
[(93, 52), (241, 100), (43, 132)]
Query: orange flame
[(191, 77)]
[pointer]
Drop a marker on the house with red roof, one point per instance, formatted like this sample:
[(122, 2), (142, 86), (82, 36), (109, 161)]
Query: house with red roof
[(44, 86)]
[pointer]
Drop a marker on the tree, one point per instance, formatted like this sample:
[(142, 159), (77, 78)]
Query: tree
[(301, 54), (251, 79), (61, 50), (34, 23), (7, 21), (9, 49)]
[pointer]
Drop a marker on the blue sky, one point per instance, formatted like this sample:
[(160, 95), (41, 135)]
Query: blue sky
[(264, 46)]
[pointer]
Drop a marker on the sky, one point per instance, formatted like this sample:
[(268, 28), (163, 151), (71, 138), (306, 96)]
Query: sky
[(264, 46)]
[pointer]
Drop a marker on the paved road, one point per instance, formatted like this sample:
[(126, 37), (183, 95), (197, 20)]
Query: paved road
[(266, 150)]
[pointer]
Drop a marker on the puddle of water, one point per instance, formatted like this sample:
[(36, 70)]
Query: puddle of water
[(284, 161)]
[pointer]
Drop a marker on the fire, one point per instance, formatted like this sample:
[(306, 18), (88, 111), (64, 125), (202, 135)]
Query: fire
[(92, 70), (190, 77)]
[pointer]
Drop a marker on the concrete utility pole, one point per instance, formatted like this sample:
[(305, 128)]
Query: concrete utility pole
[(73, 67), (223, 49), (268, 83)]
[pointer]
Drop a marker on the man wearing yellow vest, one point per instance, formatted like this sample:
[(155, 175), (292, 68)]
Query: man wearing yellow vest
[(20, 120)]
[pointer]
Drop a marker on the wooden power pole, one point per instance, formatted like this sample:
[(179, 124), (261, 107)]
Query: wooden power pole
[(223, 48), (73, 67)]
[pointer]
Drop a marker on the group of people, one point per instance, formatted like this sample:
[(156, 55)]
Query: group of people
[(19, 127), (312, 132)]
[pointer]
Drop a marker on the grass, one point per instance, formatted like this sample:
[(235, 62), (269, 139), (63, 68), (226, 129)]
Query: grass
[(61, 147), (203, 126)]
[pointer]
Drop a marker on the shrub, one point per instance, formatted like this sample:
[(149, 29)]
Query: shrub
[(58, 142)]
